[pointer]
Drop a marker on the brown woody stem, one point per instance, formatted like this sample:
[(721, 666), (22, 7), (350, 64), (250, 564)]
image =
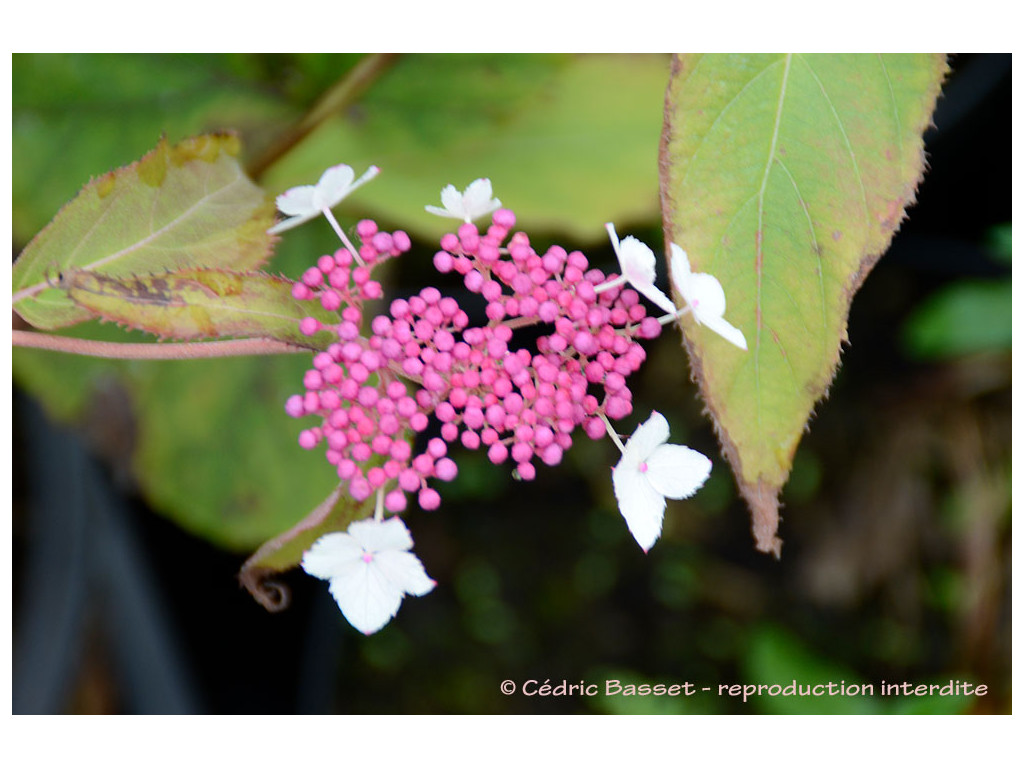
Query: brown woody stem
[(339, 96)]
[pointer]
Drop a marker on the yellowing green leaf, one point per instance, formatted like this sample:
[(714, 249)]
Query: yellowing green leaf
[(785, 176), (181, 206), (200, 303)]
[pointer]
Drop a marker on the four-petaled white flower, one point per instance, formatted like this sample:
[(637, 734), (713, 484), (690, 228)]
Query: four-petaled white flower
[(651, 471), (705, 298), (300, 204), (370, 569), (636, 262), (475, 202)]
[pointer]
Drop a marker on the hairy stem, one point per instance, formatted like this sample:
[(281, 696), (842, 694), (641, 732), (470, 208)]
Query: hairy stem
[(182, 351)]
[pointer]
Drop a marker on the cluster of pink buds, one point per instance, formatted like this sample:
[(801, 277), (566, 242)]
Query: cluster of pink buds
[(525, 404), (368, 413), (375, 394)]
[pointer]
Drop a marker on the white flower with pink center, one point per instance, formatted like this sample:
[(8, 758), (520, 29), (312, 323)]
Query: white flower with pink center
[(704, 297), (300, 204), (474, 202), (637, 264), (370, 570), (651, 471)]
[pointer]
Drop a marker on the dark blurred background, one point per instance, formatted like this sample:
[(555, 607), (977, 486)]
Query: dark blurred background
[(896, 523)]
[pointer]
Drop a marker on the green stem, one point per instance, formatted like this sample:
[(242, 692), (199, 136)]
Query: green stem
[(378, 512), (342, 236), (615, 282), (612, 434), (666, 319)]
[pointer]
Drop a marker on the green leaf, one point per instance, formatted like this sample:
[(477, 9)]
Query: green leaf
[(785, 176), (962, 319), (201, 303), (285, 551), (217, 453), (567, 141), (181, 206)]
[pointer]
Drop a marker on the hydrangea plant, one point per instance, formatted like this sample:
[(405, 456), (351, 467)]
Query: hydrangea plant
[(173, 245)]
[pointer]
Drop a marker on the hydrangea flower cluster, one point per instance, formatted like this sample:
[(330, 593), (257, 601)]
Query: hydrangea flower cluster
[(374, 394)]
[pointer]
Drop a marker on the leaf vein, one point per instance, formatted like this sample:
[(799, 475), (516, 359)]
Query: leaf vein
[(817, 248), (721, 113), (846, 141), (759, 238), (181, 219)]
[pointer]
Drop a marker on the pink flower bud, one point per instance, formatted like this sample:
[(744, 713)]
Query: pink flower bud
[(497, 453), (594, 428), (551, 455), (359, 488), (366, 229), (445, 469), (394, 501), (401, 241), (400, 450), (429, 499), (376, 476), (293, 406), (526, 471), (308, 326), (504, 218), (409, 480)]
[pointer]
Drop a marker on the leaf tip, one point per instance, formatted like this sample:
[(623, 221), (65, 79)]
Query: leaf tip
[(764, 517), (272, 594)]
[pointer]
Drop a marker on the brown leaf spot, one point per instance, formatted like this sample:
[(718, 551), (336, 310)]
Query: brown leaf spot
[(893, 215), (105, 184), (152, 168)]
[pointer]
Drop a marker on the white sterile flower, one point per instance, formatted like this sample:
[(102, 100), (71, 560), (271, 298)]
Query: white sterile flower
[(300, 204), (705, 298), (651, 471), (636, 262), (475, 202), (370, 569)]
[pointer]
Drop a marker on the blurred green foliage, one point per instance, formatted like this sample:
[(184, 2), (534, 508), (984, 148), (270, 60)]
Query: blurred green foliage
[(967, 316), (963, 318)]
